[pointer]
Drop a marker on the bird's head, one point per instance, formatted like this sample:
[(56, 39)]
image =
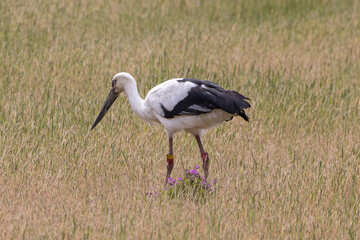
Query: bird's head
[(118, 85), (120, 81)]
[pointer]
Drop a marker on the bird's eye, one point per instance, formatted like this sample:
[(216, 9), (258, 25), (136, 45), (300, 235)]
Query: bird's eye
[(113, 83)]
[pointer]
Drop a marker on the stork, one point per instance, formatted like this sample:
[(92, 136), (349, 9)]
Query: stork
[(179, 104)]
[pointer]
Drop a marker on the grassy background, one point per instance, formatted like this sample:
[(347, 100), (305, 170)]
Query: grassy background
[(291, 173)]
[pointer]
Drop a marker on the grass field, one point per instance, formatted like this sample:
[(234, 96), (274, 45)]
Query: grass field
[(291, 173)]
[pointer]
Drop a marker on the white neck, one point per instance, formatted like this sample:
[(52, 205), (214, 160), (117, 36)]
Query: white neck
[(136, 102)]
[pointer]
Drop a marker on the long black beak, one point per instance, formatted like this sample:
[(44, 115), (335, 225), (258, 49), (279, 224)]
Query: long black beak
[(108, 102)]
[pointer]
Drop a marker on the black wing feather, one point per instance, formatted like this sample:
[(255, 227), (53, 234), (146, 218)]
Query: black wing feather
[(204, 99)]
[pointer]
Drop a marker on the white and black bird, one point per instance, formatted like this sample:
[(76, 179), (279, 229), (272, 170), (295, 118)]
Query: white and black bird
[(179, 104)]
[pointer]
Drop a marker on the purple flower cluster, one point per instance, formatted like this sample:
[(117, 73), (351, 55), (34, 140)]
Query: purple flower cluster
[(150, 194), (194, 177), (193, 180), (173, 182)]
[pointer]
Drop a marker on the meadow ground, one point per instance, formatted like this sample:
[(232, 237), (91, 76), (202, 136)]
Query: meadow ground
[(291, 173)]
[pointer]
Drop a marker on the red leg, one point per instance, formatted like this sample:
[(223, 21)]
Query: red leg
[(170, 160), (204, 156)]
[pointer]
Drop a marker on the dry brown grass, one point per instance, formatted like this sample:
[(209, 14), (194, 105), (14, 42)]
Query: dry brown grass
[(291, 173)]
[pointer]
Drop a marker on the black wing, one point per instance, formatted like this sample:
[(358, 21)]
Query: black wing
[(207, 96)]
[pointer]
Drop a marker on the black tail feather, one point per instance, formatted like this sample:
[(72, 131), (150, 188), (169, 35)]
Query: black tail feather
[(243, 115)]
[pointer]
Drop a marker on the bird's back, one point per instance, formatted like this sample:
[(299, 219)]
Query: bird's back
[(192, 103)]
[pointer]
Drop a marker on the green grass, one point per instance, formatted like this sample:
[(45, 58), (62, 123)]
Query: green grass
[(291, 173)]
